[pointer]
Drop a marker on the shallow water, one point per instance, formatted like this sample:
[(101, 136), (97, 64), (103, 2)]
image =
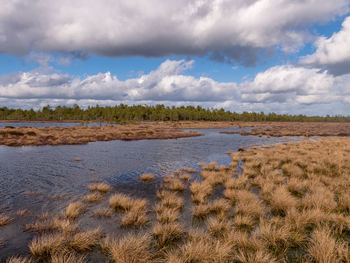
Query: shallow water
[(46, 178)]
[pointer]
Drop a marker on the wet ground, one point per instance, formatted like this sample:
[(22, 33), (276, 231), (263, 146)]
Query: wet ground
[(46, 178)]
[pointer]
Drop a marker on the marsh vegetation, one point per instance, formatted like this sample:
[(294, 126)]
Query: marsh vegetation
[(284, 203), (81, 135)]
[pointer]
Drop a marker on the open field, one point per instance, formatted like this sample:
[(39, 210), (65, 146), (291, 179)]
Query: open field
[(279, 129), (284, 203), (82, 135)]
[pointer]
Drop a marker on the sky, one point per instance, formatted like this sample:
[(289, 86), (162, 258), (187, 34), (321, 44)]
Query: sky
[(283, 56)]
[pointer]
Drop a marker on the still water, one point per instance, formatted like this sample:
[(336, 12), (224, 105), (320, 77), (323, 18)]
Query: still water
[(45, 178)]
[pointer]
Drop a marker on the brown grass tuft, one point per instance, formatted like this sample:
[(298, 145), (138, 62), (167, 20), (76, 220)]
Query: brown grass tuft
[(101, 187), (217, 228), (136, 216), (18, 260), (148, 177), (130, 248), (46, 245), (166, 214), (67, 257), (102, 212), (85, 241), (166, 234), (175, 184), (200, 191), (170, 199), (282, 200), (201, 251), (200, 210), (94, 197), (75, 209), (322, 247), (5, 220)]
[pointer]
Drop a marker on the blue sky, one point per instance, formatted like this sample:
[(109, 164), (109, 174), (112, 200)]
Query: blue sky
[(287, 57)]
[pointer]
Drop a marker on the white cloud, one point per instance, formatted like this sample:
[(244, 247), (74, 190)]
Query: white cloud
[(332, 53), (240, 30), (289, 83), (282, 89)]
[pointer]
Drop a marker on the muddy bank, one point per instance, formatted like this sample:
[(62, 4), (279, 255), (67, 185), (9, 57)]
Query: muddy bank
[(11, 136), (278, 129)]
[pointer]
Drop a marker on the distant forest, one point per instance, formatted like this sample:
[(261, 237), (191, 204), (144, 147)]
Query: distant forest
[(123, 114)]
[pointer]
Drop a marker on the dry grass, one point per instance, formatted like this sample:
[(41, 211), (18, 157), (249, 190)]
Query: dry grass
[(200, 191), (46, 225), (274, 237), (5, 220), (294, 129), (175, 184), (131, 248), (57, 244), (136, 216), (244, 222), (73, 210), (259, 256), (67, 257), (217, 228), (101, 187), (83, 135), (18, 260), (166, 214), (94, 197), (125, 203), (200, 210), (322, 247), (166, 234), (135, 210), (185, 177), (102, 212), (290, 204), (170, 199), (219, 206), (282, 200), (200, 251), (46, 245), (23, 212), (85, 241), (189, 170), (147, 177)]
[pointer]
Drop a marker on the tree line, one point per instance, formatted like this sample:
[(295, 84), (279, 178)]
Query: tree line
[(123, 113)]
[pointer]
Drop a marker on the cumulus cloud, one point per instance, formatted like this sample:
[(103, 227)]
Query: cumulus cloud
[(225, 30), (332, 53), (290, 83), (287, 88)]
